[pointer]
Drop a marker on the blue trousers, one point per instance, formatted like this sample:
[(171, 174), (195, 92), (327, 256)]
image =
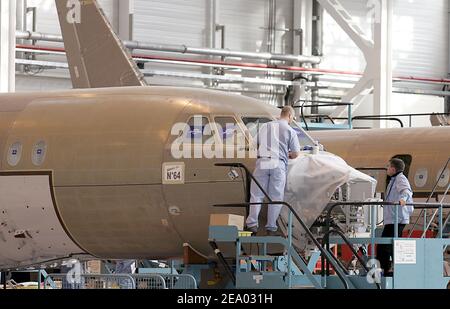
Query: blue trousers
[(273, 181)]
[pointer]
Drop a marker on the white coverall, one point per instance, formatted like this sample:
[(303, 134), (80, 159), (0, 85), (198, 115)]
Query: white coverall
[(275, 140)]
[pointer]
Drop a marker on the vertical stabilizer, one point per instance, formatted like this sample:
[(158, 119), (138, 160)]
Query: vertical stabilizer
[(96, 56)]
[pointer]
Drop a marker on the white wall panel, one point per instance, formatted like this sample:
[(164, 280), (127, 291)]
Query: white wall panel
[(420, 38), (47, 19), (186, 21), (26, 83), (339, 51), (171, 22)]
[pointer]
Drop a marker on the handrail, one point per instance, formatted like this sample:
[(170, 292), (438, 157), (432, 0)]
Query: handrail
[(303, 106), (429, 198), (320, 116), (50, 279), (221, 258), (372, 118), (372, 169), (447, 220), (363, 204), (393, 117), (136, 277), (326, 243), (308, 232), (320, 102), (435, 213), (410, 116), (302, 223)]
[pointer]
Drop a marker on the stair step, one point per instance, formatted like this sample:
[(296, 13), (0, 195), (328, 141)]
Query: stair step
[(259, 257), (303, 287)]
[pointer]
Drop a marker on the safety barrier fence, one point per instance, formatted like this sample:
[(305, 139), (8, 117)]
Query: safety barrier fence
[(120, 281)]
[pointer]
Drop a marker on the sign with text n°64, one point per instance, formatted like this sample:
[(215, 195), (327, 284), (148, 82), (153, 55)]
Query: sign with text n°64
[(173, 173)]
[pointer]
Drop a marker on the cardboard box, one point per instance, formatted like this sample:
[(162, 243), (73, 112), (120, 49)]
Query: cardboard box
[(94, 267), (227, 220)]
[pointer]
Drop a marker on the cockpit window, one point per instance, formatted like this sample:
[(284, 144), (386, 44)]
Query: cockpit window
[(229, 131), (254, 124), (198, 131), (303, 137)]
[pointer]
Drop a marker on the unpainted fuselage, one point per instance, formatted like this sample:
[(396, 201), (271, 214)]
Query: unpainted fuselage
[(103, 151)]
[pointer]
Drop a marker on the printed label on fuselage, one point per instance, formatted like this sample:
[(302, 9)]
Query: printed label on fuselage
[(173, 173)]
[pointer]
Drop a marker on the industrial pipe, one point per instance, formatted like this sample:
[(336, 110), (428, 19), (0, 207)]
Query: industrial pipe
[(257, 66), (183, 49), (37, 36)]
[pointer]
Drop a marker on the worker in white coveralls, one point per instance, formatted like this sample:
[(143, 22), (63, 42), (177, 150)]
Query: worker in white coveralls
[(277, 142), (398, 191)]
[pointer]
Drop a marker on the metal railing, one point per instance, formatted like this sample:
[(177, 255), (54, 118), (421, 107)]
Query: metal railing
[(326, 245), (379, 118), (149, 282), (180, 281), (446, 222), (323, 104), (439, 206), (423, 212), (339, 271), (120, 281), (395, 117), (435, 213), (329, 231), (88, 282)]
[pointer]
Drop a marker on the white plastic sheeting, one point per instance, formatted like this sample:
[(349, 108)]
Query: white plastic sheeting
[(312, 181)]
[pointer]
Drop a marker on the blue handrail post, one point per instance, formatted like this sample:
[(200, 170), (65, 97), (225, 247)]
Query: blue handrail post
[(396, 221), (372, 230), (350, 115), (441, 223), (290, 250), (238, 254), (425, 223)]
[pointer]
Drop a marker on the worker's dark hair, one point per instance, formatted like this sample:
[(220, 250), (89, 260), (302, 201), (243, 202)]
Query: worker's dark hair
[(398, 164)]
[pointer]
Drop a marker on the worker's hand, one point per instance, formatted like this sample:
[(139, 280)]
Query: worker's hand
[(294, 155), (402, 203)]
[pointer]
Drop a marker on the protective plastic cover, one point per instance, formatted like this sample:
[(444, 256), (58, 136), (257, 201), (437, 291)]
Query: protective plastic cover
[(312, 181)]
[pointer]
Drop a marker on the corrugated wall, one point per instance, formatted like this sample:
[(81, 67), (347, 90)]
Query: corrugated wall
[(420, 38), (170, 22), (247, 21), (47, 20), (420, 32), (186, 22)]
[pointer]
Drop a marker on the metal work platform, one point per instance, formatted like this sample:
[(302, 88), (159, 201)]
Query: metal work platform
[(417, 263), (320, 119)]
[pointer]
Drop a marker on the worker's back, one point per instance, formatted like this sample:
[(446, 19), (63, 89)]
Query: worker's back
[(275, 140)]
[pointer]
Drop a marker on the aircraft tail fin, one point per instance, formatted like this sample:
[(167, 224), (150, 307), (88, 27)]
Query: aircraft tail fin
[(96, 56)]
